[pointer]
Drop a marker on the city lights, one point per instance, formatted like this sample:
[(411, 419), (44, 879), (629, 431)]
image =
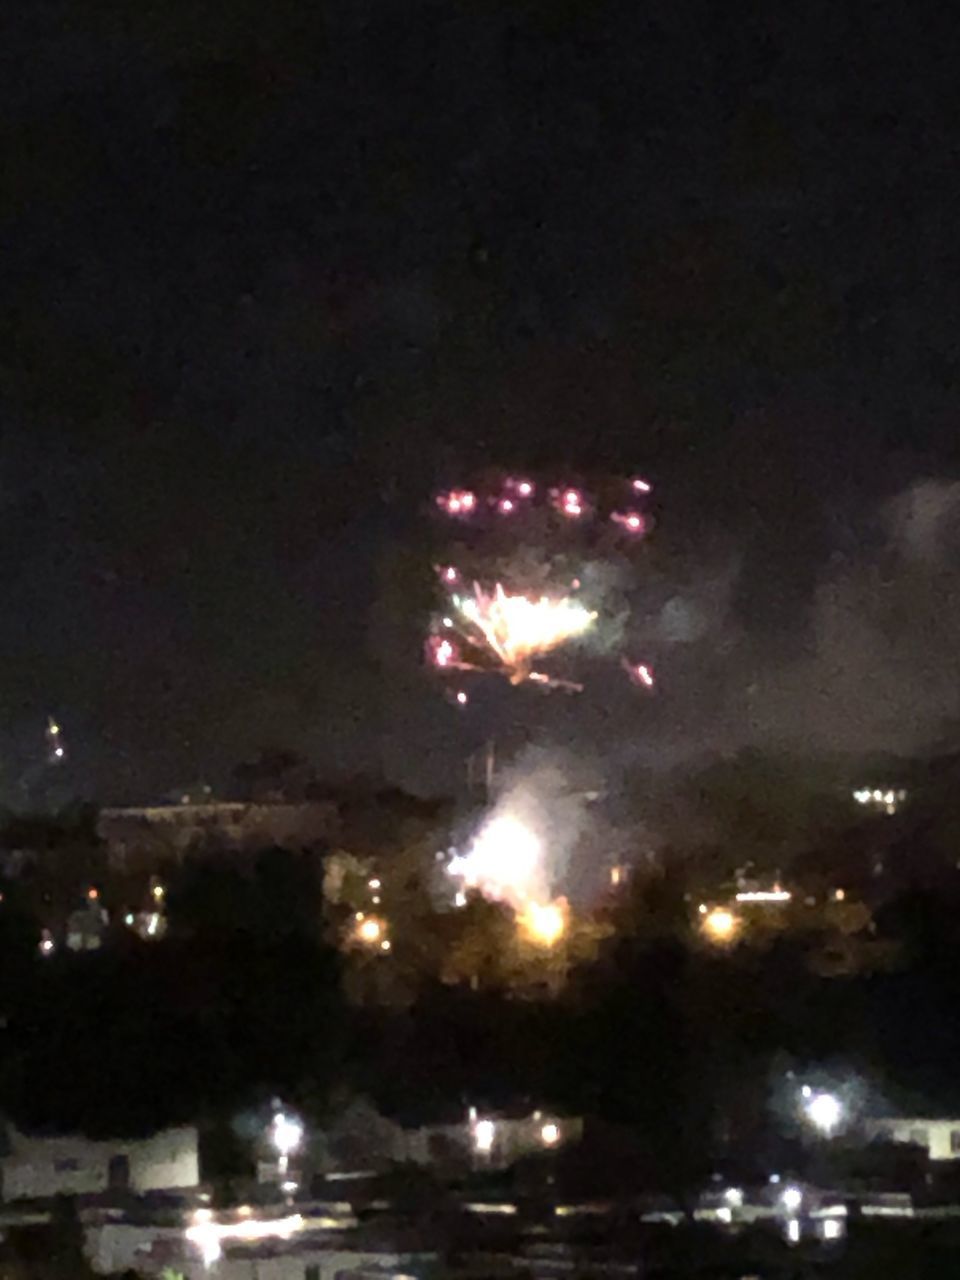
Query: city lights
[(370, 930), (484, 1135), (207, 1235), (720, 925), (791, 1198), (544, 923), (824, 1111), (765, 895), (286, 1133)]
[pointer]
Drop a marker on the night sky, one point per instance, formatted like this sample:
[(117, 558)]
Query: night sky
[(271, 272)]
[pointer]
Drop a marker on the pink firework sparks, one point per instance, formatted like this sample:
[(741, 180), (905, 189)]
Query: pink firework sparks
[(442, 652), (554, 682), (569, 502), (631, 521), (641, 486), (640, 673), (505, 506), (457, 502)]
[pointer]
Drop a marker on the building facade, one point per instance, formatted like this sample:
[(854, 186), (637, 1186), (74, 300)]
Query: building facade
[(39, 1168), (939, 1138)]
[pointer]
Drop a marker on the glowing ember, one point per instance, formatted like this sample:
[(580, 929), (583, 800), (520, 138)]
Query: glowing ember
[(544, 923)]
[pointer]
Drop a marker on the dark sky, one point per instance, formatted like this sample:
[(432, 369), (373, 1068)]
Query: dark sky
[(271, 271)]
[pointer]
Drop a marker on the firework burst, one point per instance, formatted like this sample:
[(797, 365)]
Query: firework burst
[(503, 613)]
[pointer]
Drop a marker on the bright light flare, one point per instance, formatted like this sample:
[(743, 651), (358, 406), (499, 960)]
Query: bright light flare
[(544, 923), (824, 1111), (641, 486), (720, 926), (505, 861), (286, 1133), (550, 1134), (517, 628), (369, 930), (484, 1135), (506, 506), (207, 1236)]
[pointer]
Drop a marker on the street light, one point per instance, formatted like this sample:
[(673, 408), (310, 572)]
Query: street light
[(824, 1111), (550, 1134), (286, 1134), (720, 926), (484, 1132), (791, 1198)]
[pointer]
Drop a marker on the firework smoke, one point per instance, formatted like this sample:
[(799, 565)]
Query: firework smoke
[(522, 850)]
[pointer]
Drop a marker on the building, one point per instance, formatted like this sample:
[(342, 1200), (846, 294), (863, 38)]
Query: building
[(145, 835), (939, 1138), (38, 1168)]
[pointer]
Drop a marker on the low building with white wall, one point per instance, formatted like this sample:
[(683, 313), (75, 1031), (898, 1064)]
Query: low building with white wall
[(939, 1138), (41, 1167)]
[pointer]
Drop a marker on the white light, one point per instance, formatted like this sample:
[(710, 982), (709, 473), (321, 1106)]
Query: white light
[(484, 1133), (58, 752), (152, 924), (725, 1214), (791, 1198), (462, 698), (765, 895), (506, 860), (832, 1229), (550, 1134), (641, 486), (793, 1230), (207, 1235), (385, 945), (878, 796), (806, 1092), (734, 1197), (374, 883), (824, 1111), (128, 918), (286, 1133), (460, 899), (448, 622)]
